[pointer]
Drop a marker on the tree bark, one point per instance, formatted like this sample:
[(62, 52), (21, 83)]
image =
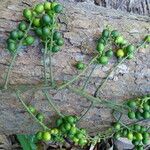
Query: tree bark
[(81, 25)]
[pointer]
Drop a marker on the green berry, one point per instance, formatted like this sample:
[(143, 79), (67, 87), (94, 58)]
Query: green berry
[(109, 53), (146, 114), (40, 117), (32, 109), (100, 47), (105, 33), (131, 114), (47, 6), (82, 142), (132, 104), (56, 35), (11, 46), (46, 19), (59, 122), (130, 49), (73, 130), (130, 136), (39, 135), (80, 65), (58, 8), (67, 126), (137, 127), (117, 136), (29, 40), (60, 42), (46, 136), (22, 26), (117, 126), (114, 33), (27, 13), (14, 35), (39, 8), (120, 53), (130, 56), (71, 119), (20, 34), (102, 60), (46, 31), (38, 31), (138, 115), (138, 136), (119, 40), (55, 49), (146, 107), (36, 22)]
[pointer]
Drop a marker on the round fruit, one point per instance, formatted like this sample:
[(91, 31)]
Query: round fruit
[(119, 40), (80, 65), (59, 122), (32, 109), (131, 104), (135, 142), (114, 33), (46, 136), (20, 34), (125, 132), (39, 135), (139, 147), (130, 49), (117, 126), (138, 136), (47, 6), (131, 115), (138, 115), (143, 129), (22, 26), (11, 46), (38, 31), (146, 135), (27, 13), (73, 130), (71, 119), (29, 40), (100, 47), (46, 31), (130, 135), (46, 19), (14, 35), (101, 40), (58, 8), (147, 38), (10, 41), (105, 33), (36, 22), (55, 49), (146, 114), (75, 140), (79, 135), (54, 131), (67, 126), (60, 42), (39, 8), (146, 107), (56, 35), (137, 127), (120, 53), (103, 60), (109, 53), (145, 141), (40, 117)]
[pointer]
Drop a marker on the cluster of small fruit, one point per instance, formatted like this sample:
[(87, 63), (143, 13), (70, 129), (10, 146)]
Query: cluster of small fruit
[(139, 108), (123, 48), (65, 128), (136, 133), (43, 20)]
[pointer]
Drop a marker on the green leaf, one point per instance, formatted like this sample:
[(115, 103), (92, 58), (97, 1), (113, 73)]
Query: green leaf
[(27, 141)]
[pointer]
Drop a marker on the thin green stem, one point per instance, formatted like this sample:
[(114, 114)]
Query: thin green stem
[(14, 56), (88, 78), (50, 53), (33, 116), (44, 57), (77, 77), (51, 103)]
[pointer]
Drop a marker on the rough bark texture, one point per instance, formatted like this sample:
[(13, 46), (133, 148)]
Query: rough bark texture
[(81, 26)]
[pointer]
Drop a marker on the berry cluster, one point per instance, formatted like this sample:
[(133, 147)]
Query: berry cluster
[(65, 129), (139, 108), (136, 133), (123, 48)]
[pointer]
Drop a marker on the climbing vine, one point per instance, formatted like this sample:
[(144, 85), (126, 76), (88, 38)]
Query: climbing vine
[(42, 21)]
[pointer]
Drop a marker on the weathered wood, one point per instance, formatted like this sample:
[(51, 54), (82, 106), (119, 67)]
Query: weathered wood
[(81, 26)]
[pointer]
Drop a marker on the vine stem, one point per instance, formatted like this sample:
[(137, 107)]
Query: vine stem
[(50, 53), (51, 103), (88, 78), (44, 57), (14, 57), (76, 77), (33, 116)]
